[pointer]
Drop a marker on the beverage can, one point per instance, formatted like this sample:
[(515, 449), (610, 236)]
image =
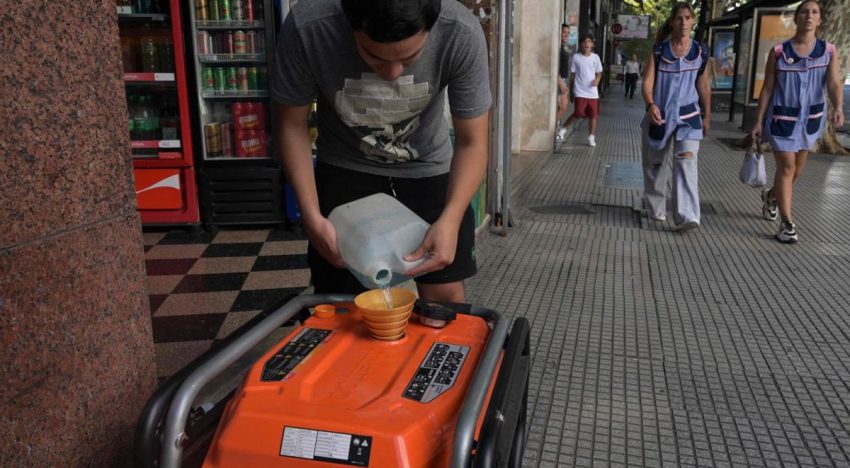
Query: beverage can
[(220, 79), (228, 42), (251, 42), (203, 42), (242, 78), (232, 80), (224, 11), (226, 140), (261, 78), (239, 44), (252, 78), (212, 10), (201, 11), (236, 9), (248, 9), (212, 132), (208, 79)]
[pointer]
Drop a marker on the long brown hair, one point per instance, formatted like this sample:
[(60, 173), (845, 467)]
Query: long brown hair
[(666, 28), (800, 6)]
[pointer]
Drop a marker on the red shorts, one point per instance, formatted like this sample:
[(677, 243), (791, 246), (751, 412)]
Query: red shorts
[(586, 107)]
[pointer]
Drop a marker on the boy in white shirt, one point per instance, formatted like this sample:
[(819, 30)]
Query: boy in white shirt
[(586, 71)]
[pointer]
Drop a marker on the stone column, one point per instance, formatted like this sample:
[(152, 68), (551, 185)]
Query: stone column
[(78, 363), (537, 36)]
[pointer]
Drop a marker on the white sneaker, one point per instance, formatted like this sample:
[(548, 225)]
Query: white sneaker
[(687, 226), (591, 141), (562, 133)]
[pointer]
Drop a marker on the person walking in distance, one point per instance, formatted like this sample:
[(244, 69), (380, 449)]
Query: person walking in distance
[(380, 70), (632, 72), (563, 79), (675, 87), (586, 72), (792, 107)]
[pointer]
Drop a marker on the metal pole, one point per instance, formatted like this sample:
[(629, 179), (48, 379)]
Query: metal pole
[(505, 81)]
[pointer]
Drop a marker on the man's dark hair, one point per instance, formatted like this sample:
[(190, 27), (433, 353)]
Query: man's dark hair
[(586, 37), (391, 20), (565, 25)]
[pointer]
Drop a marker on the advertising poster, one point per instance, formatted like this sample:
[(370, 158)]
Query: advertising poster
[(773, 27), (634, 27), (723, 51), (571, 9), (743, 60)]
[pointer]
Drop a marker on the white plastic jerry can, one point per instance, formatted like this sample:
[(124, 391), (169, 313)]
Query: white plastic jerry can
[(374, 234)]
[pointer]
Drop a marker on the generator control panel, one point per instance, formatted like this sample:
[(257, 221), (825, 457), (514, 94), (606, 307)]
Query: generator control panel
[(283, 361), (437, 373)]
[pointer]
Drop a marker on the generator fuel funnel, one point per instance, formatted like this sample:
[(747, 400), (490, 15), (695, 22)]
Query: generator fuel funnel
[(383, 323)]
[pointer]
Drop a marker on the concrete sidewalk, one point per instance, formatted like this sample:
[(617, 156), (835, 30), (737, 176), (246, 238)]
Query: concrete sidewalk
[(716, 347)]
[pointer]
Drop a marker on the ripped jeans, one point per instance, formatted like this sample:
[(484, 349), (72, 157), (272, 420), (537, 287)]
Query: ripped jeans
[(685, 193)]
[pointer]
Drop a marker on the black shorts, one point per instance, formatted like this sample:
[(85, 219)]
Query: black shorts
[(426, 197)]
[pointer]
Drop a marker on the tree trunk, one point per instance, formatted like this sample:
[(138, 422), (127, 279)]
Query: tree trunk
[(836, 17)]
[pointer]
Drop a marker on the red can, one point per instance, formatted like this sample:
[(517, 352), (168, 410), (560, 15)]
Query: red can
[(228, 42), (248, 10), (203, 42), (251, 42)]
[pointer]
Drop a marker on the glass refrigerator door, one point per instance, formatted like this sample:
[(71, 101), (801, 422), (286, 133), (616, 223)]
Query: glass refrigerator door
[(148, 55), (233, 42)]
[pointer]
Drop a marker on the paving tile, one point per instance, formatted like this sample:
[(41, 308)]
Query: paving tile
[(163, 284), (197, 303), (222, 265), (277, 279), (295, 247), (237, 236), (175, 251)]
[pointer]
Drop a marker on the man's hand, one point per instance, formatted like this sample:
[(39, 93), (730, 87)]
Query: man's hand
[(438, 247), (322, 235), (706, 125)]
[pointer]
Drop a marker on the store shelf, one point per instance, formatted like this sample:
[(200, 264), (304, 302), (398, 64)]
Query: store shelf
[(234, 94), (149, 77), (126, 14), (154, 144), (232, 24), (220, 58)]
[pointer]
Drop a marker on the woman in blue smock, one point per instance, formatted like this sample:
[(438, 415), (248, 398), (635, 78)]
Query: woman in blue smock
[(677, 91), (792, 107)]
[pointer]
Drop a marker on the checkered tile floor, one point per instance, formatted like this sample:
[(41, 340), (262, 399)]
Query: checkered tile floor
[(204, 285)]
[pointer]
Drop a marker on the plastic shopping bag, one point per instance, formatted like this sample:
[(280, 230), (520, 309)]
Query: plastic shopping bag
[(752, 170)]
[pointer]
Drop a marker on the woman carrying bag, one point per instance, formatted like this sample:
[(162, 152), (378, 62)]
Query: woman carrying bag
[(675, 88), (792, 107)]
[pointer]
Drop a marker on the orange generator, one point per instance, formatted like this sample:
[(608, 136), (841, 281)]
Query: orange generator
[(451, 393)]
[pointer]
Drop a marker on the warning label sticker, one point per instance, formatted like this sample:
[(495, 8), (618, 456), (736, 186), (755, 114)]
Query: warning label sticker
[(333, 447)]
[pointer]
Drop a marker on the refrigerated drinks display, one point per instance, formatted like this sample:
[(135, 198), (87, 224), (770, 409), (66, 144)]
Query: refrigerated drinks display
[(152, 55), (233, 44)]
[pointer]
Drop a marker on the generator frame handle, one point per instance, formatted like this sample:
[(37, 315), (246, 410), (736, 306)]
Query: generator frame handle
[(174, 436), (474, 401)]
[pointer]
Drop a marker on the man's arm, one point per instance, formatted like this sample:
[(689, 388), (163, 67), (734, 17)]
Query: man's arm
[(834, 85), (293, 134), (469, 164)]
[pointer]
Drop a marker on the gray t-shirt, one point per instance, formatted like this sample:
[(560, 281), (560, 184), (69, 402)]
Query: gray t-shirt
[(391, 128)]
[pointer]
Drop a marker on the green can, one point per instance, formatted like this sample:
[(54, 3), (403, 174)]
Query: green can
[(212, 10), (220, 79), (261, 78), (224, 11), (252, 78), (232, 80), (208, 79)]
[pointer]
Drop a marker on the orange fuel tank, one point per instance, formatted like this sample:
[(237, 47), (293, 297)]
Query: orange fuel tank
[(330, 395)]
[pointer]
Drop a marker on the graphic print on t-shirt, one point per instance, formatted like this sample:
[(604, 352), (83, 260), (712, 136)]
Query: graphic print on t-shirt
[(385, 112)]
